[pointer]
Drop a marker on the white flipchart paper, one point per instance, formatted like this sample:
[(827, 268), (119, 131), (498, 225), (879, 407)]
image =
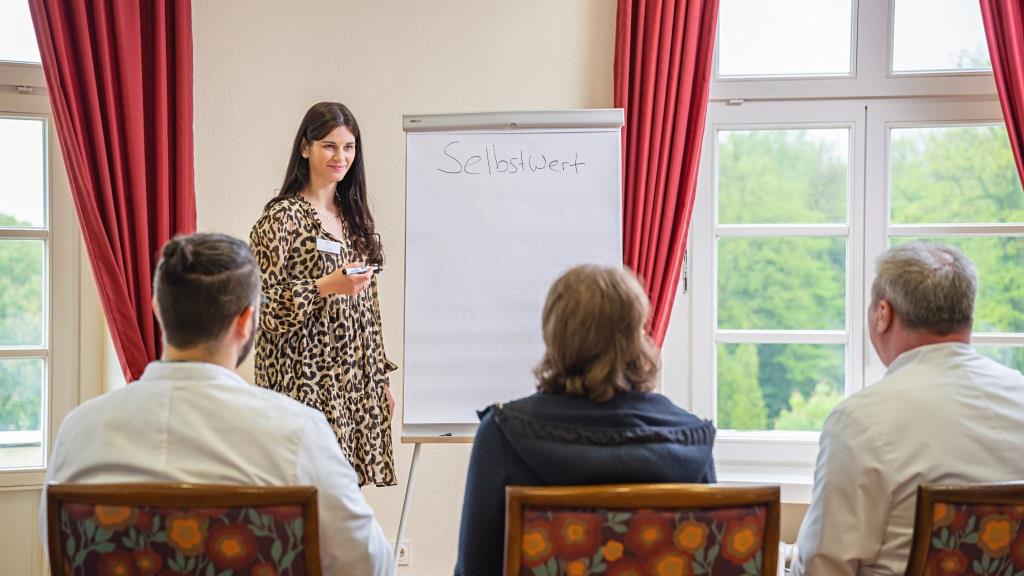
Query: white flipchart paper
[(492, 219)]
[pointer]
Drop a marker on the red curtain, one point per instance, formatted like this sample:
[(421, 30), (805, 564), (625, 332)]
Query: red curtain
[(119, 75), (1004, 28), (663, 55)]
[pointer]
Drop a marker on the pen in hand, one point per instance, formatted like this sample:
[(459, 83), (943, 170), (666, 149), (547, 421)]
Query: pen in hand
[(359, 270)]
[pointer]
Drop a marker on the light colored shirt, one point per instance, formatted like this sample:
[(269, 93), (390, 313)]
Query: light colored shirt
[(942, 414), (201, 423)]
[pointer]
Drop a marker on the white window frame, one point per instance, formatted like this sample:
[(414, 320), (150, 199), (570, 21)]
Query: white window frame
[(870, 101), (23, 93)]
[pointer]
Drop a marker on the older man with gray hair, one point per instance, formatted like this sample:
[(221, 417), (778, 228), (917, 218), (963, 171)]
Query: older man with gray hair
[(942, 413)]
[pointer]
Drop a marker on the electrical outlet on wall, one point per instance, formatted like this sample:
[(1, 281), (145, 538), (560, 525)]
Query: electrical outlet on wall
[(404, 553)]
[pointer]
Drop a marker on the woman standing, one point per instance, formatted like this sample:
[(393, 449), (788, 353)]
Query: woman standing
[(320, 338)]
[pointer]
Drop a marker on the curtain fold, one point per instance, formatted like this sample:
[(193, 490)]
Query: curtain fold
[(663, 55), (1004, 29), (119, 77)]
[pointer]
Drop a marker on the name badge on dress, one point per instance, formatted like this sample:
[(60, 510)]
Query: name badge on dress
[(325, 245)]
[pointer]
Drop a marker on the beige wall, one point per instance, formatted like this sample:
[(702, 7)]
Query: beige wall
[(792, 516), (260, 65)]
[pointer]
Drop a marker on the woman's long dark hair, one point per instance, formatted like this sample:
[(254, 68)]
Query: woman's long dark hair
[(350, 193)]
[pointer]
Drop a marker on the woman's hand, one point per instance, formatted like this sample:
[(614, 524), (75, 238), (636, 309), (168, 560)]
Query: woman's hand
[(338, 282), (391, 402)]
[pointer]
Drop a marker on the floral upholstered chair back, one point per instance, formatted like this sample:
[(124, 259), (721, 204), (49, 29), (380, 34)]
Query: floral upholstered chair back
[(642, 529), (203, 530), (973, 529)]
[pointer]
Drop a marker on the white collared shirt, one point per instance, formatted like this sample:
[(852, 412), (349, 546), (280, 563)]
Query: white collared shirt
[(198, 422), (943, 413)]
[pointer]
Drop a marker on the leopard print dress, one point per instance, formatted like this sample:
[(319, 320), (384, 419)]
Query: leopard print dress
[(324, 351)]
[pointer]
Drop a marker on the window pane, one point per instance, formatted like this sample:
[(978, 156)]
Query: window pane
[(938, 35), (1012, 356), (23, 165), (784, 37), (999, 306), (783, 176), (953, 174), (778, 386), (781, 283), (21, 292), (21, 392), (17, 38)]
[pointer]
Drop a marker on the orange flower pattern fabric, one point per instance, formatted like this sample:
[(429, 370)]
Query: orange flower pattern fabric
[(116, 564), (564, 542), (538, 544), (264, 569), (231, 546), (577, 535), (151, 541), (613, 550), (186, 533), (626, 568), (647, 532), (951, 562), (691, 536), (742, 540), (976, 539), (943, 514), (115, 517), (671, 562), (147, 561)]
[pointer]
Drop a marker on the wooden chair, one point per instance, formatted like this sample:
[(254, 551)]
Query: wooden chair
[(974, 528), (621, 529), (187, 528)]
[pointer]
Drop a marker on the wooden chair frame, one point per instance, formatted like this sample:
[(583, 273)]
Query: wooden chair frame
[(182, 495), (634, 496), (998, 493)]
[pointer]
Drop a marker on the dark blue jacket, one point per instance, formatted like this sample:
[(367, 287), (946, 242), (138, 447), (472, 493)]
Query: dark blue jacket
[(550, 439)]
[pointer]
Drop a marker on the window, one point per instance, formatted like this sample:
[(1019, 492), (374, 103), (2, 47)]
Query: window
[(951, 178), (38, 263), (938, 36), (23, 288), (17, 38), (784, 37), (818, 155), (782, 198)]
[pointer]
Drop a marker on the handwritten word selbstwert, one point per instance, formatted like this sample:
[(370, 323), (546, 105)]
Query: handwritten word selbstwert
[(490, 163)]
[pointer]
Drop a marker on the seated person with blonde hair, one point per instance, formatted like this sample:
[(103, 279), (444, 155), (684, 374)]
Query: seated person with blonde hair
[(594, 420)]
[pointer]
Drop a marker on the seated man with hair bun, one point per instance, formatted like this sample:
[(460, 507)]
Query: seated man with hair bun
[(191, 418)]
